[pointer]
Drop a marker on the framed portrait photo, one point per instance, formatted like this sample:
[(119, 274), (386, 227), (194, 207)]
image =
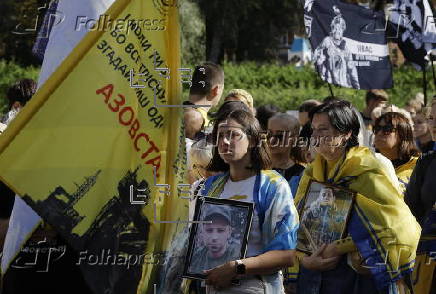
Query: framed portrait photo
[(324, 213), (219, 234)]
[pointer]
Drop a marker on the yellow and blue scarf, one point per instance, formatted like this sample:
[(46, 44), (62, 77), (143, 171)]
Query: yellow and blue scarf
[(381, 225), (404, 173)]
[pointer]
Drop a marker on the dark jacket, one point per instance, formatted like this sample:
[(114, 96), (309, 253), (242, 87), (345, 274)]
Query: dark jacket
[(421, 191)]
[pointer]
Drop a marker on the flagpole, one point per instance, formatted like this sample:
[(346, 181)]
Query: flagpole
[(424, 85), (331, 90), (432, 68)]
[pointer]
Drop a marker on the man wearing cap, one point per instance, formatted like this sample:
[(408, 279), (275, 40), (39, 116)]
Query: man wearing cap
[(217, 249)]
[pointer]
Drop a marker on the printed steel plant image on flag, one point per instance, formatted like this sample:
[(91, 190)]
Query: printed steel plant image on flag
[(348, 51), (413, 26)]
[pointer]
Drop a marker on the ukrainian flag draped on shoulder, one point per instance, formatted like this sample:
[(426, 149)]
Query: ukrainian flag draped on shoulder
[(404, 172), (87, 152), (382, 227)]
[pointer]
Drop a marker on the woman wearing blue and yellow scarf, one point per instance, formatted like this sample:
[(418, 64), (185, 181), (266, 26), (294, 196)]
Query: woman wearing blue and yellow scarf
[(381, 229), (393, 137)]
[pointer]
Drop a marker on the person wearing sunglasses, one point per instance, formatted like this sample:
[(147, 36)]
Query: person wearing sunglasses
[(243, 155), (287, 157), (378, 216), (393, 138), (421, 198)]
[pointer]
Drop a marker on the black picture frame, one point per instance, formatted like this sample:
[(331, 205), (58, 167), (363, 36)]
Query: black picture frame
[(241, 215), (322, 222)]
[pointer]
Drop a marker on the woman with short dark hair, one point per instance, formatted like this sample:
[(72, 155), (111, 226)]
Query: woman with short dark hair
[(377, 210), (394, 139), (242, 153)]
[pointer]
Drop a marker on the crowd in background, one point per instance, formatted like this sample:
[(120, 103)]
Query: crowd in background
[(385, 154)]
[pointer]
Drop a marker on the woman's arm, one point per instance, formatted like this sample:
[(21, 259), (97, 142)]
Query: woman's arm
[(264, 264), (269, 262), (317, 261)]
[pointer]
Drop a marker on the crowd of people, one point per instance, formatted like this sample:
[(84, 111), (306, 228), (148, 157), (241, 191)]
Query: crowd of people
[(384, 155)]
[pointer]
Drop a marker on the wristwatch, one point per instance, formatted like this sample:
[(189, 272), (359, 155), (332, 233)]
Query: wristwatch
[(240, 267)]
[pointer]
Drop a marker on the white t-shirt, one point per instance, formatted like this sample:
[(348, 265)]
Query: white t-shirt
[(243, 191)]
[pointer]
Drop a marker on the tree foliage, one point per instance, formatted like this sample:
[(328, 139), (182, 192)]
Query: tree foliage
[(248, 30), (288, 86), (9, 73), (19, 25), (193, 30)]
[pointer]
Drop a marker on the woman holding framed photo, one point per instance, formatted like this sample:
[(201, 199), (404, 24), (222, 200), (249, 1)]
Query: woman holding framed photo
[(380, 228), (243, 155)]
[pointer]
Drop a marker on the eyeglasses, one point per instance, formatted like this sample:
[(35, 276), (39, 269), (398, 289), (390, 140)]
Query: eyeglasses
[(386, 130)]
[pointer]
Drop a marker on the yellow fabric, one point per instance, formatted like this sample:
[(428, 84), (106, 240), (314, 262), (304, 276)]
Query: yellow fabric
[(87, 120), (203, 113), (424, 274), (390, 217), (404, 172), (345, 245)]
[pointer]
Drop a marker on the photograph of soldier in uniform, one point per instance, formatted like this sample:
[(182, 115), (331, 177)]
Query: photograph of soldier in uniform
[(214, 246), (333, 60), (219, 237), (324, 216)]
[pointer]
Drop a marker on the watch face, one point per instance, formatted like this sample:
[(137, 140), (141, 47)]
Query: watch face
[(240, 268)]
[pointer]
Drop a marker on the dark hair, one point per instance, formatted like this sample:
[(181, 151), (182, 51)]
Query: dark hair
[(205, 77), (259, 154), (21, 91), (302, 146), (376, 95), (264, 113), (332, 99), (228, 107), (342, 117), (308, 105), (407, 147)]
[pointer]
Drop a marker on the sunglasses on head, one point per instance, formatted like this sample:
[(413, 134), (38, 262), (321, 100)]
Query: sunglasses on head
[(387, 129)]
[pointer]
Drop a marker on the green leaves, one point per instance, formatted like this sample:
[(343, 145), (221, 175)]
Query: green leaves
[(287, 86), (9, 73)]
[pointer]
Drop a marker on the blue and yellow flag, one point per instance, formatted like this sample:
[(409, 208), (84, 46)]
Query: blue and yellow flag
[(95, 148)]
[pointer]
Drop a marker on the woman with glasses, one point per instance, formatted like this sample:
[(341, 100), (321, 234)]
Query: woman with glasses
[(381, 228), (393, 137), (421, 198), (243, 155)]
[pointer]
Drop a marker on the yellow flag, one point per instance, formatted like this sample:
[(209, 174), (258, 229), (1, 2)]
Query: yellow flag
[(95, 148)]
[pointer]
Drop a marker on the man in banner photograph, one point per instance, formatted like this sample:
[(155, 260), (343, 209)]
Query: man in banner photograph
[(333, 60)]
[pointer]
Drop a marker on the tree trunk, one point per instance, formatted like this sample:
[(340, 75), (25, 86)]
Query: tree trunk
[(216, 45)]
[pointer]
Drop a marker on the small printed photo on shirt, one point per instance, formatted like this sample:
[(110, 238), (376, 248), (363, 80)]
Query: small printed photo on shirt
[(218, 235)]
